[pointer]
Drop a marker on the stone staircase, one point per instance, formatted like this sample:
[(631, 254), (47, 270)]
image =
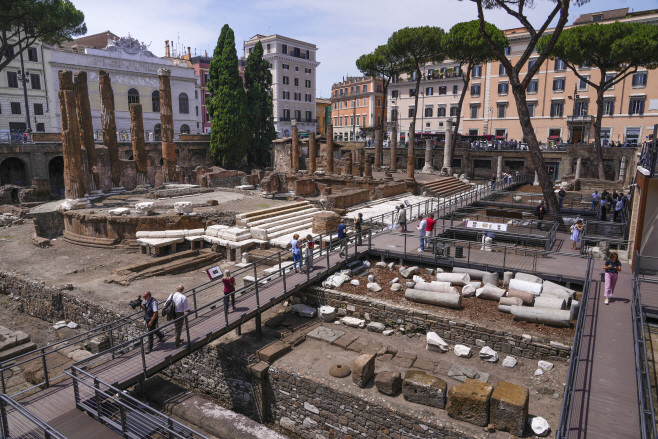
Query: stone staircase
[(278, 225), (445, 186), (248, 218), (14, 343)]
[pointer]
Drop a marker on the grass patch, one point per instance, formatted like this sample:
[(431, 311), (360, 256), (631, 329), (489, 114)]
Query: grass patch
[(263, 205)]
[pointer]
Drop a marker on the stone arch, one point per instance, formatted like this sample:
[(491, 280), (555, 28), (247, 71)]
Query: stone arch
[(13, 171), (56, 175)]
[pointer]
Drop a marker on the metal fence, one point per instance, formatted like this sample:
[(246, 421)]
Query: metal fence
[(18, 422), (15, 136), (646, 266)]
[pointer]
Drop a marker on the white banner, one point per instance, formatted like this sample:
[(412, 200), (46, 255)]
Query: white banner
[(486, 226)]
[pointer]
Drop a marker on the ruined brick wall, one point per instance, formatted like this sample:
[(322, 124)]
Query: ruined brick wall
[(348, 198), (274, 182), (283, 157), (453, 330), (325, 222), (48, 224), (389, 190), (311, 408), (306, 187)]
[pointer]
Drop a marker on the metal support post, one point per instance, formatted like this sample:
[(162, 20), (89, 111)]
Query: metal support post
[(45, 367), (99, 400), (187, 330)]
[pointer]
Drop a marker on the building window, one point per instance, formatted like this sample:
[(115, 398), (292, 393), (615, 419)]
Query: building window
[(476, 72), (298, 114), (429, 112), (41, 128), (556, 109), (15, 108), (394, 94), (554, 133), (298, 96), (514, 165), (531, 63), (379, 88), (286, 95), (308, 83), (533, 86), (183, 104), (640, 79), (531, 108), (365, 89), (35, 81), (455, 89), (598, 17), (308, 54), (309, 116), (307, 70), (196, 94), (412, 111), (453, 111), (608, 108), (284, 48), (197, 110), (580, 108), (560, 65), (155, 101), (296, 82), (358, 119), (584, 65), (268, 47), (443, 90), (38, 109), (352, 90), (632, 135), (12, 79), (503, 88), (351, 120), (508, 50), (582, 83), (412, 92), (482, 164), (32, 54), (502, 71), (309, 97), (474, 111), (558, 84), (441, 112), (286, 114), (184, 129), (379, 102), (358, 89), (133, 96), (636, 106), (610, 77), (286, 80), (501, 110), (429, 91), (286, 66), (475, 89)]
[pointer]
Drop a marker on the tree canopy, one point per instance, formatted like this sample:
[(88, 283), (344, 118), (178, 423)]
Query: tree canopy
[(213, 71), (258, 81), (26, 21)]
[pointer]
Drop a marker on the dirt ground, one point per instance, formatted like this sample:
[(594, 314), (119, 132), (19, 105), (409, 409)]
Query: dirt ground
[(477, 311)]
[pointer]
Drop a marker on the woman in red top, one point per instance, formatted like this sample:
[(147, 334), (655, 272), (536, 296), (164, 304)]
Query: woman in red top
[(229, 287)]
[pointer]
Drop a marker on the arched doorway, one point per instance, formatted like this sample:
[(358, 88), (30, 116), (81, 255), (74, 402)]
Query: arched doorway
[(56, 175), (12, 171)]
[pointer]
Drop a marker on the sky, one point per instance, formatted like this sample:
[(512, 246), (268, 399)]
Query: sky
[(342, 30)]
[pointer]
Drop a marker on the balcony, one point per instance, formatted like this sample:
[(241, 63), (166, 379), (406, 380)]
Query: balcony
[(580, 120), (299, 120), (297, 55)]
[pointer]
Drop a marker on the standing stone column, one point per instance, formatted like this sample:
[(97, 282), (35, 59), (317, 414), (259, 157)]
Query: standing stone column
[(295, 146), (347, 170), (394, 148), (499, 171), (362, 161), (622, 169), (312, 153), (86, 130), (411, 158), (139, 148), (447, 150), (167, 127), (536, 182), (367, 172), (330, 149), (74, 185), (110, 128), (378, 148), (428, 156), (579, 163)]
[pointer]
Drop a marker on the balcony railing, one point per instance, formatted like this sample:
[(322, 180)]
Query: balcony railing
[(580, 119), (297, 55), (300, 120)]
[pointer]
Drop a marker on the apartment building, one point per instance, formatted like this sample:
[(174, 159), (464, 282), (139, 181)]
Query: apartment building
[(562, 106), (356, 104), (293, 64), (438, 98), (323, 111)]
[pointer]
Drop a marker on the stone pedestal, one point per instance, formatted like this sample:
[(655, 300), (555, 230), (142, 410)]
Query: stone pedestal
[(447, 150), (139, 149), (411, 158), (330, 150), (378, 148), (394, 148), (295, 146), (388, 176), (536, 182), (167, 127), (499, 170), (428, 156), (86, 130), (312, 153), (579, 164), (109, 126)]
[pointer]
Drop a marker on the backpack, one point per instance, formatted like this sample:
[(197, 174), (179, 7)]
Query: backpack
[(536, 211), (573, 228), (169, 309)]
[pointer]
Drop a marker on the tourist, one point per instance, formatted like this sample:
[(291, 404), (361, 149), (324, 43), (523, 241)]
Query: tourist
[(342, 236), (612, 269), (493, 182), (540, 211), (576, 229), (150, 308), (358, 225), (180, 307), (619, 206), (229, 287), (297, 251), (422, 231), (402, 218), (429, 229), (608, 202), (560, 197), (310, 245), (602, 209), (595, 200)]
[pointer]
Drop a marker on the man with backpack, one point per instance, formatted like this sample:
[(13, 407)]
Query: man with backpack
[(175, 307), (150, 308), (540, 211)]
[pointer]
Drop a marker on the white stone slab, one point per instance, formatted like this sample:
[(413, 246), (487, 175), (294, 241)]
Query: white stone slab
[(181, 207), (436, 343)]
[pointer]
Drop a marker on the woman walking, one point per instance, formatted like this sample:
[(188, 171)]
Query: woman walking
[(309, 252), (229, 287), (296, 253), (612, 268), (575, 234)]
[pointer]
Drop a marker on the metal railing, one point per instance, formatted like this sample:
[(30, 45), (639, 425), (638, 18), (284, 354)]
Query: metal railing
[(18, 422), (15, 136), (646, 266), (649, 154), (122, 413), (644, 391), (562, 431)]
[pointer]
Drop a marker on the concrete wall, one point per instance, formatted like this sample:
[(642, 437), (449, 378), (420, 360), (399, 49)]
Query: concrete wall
[(650, 229)]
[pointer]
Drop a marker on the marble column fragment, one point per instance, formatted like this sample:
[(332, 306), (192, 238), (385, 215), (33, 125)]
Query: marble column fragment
[(368, 168), (378, 148), (579, 164), (622, 169), (394, 147), (312, 153), (447, 150), (362, 162), (139, 148), (330, 149), (167, 127), (74, 185), (428, 156), (86, 129), (110, 128), (499, 170), (295, 147)]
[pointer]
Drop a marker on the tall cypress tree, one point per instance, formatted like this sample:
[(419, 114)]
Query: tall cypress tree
[(229, 136), (258, 81), (213, 71)]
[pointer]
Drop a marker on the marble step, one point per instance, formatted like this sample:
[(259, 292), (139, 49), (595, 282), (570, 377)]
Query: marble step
[(266, 216), (288, 222), (275, 220), (283, 240), (291, 230), (254, 213)]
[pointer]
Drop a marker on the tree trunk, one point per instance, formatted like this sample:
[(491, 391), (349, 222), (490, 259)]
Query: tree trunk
[(597, 128), (535, 153), (411, 158), (383, 124), (467, 80)]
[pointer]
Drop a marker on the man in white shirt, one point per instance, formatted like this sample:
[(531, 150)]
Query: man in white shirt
[(422, 231), (181, 307), (595, 200)]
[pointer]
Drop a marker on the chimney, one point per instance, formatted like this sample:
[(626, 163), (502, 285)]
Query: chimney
[(167, 53), (189, 52), (206, 54)]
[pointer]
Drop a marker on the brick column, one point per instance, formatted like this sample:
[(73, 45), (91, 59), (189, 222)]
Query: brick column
[(167, 127), (378, 148), (347, 169), (295, 146), (139, 148), (312, 153), (110, 128), (86, 130), (367, 172), (394, 147), (330, 149), (411, 158)]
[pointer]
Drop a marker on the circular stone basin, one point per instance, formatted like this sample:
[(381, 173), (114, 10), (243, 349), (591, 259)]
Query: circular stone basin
[(339, 371)]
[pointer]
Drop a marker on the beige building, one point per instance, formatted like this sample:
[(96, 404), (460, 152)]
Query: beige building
[(356, 104), (563, 107)]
